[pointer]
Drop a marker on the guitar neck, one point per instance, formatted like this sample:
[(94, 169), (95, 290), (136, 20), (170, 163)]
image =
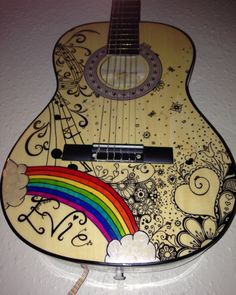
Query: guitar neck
[(123, 36)]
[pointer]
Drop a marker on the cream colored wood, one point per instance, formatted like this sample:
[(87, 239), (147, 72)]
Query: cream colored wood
[(179, 208)]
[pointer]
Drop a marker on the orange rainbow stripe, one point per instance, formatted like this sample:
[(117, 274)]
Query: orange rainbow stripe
[(85, 193)]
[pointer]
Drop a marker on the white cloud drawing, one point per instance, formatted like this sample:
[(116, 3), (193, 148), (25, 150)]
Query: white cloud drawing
[(131, 249), (14, 184)]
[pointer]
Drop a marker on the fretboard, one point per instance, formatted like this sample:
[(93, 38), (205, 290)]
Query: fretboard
[(124, 27)]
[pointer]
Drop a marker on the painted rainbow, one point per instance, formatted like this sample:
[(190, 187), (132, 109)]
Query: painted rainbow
[(85, 193)]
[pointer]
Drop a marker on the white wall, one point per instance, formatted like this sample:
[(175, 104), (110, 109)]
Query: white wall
[(28, 32)]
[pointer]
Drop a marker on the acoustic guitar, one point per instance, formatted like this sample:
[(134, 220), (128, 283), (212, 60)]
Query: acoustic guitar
[(121, 169)]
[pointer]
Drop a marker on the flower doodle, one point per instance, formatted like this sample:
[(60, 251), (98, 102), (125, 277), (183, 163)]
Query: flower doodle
[(197, 235)]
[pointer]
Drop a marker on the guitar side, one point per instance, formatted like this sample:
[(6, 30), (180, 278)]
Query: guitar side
[(81, 210)]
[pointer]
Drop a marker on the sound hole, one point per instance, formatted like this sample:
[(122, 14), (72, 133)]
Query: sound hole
[(123, 72), (123, 76)]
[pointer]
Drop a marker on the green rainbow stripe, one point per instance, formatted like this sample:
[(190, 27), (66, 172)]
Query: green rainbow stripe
[(86, 193)]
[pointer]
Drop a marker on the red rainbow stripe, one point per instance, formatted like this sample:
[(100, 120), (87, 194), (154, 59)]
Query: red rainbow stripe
[(109, 204)]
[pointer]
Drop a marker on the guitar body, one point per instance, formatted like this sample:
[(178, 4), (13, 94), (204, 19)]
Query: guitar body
[(120, 212)]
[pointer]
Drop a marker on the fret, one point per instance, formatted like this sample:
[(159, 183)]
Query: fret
[(119, 35), (125, 43), (125, 14), (119, 38), (126, 18), (125, 21), (120, 49), (124, 51), (119, 26), (126, 36), (124, 24), (125, 30), (124, 27)]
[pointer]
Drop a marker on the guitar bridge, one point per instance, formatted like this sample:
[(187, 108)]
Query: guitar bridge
[(133, 153)]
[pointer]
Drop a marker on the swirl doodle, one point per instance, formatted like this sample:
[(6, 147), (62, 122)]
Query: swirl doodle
[(79, 38), (203, 183), (41, 131), (70, 65), (78, 109)]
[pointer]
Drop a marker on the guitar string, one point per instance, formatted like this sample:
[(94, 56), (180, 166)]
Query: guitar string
[(100, 129), (115, 66), (133, 84), (122, 78), (124, 101), (116, 82), (137, 16), (101, 123), (127, 103), (132, 111), (113, 82), (118, 21), (135, 99), (106, 78), (119, 56), (125, 85), (129, 100)]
